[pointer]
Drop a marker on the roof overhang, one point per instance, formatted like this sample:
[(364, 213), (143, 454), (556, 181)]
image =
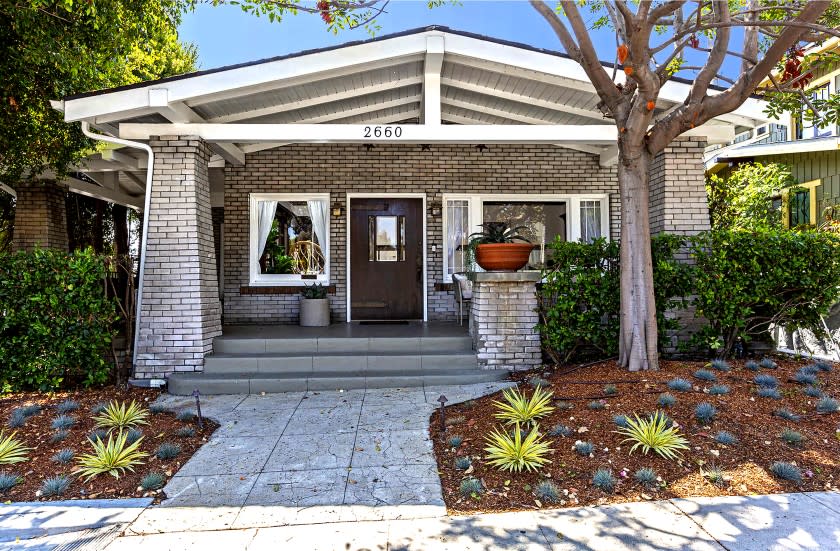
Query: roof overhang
[(781, 148)]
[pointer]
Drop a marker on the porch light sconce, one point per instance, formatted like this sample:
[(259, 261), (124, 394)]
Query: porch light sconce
[(369, 146), (337, 210), (435, 209), (481, 148), (425, 147)]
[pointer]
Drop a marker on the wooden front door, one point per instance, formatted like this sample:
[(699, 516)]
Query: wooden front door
[(386, 259)]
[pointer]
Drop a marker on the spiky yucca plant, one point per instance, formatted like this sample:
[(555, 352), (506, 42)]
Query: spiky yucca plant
[(653, 433), (113, 457), (12, 450), (517, 408), (118, 415), (513, 453)]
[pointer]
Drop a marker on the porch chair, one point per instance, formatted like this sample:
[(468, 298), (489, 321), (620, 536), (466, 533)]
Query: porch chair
[(463, 293)]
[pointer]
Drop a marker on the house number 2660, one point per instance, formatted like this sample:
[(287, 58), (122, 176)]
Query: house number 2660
[(383, 132)]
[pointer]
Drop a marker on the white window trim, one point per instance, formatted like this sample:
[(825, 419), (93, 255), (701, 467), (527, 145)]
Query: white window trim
[(257, 279), (475, 215)]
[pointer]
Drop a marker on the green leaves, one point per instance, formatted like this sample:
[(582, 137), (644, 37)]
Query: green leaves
[(653, 434), (12, 450), (113, 457), (119, 416), (513, 453), (742, 199), (517, 408)]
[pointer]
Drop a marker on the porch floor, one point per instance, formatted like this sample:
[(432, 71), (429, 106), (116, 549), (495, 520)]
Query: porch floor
[(352, 330)]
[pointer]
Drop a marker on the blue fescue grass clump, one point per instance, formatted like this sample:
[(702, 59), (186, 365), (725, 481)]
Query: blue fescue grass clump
[(471, 487), (59, 435), (666, 400), (8, 481), (646, 477), (752, 365), (620, 420), (98, 434), (827, 404), (769, 392), (584, 448), (67, 406), (454, 441), (463, 463), (17, 419), (705, 413), (767, 363), (720, 365), (64, 456), (55, 486), (133, 435), (63, 422), (604, 480), (540, 382), (786, 471), (805, 378), (812, 391), (167, 450), (98, 408), (185, 432), (810, 368), (610, 390), (705, 375), (791, 437), (787, 415), (596, 405), (825, 367), (679, 385), (763, 379), (157, 409), (726, 438), (560, 430), (547, 491), (717, 390), (561, 405), (666, 420), (185, 415), (30, 410), (153, 481)]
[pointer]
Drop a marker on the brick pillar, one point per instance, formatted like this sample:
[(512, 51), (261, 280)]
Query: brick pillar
[(677, 189), (503, 319), (40, 216), (180, 311)]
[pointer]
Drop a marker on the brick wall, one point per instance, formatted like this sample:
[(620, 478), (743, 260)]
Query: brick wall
[(180, 310), (677, 189), (339, 169), (40, 216)]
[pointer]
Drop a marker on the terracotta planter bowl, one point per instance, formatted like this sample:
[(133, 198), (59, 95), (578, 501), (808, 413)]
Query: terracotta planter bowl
[(503, 257)]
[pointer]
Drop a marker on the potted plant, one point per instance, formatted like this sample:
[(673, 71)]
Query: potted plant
[(314, 306), (499, 248)]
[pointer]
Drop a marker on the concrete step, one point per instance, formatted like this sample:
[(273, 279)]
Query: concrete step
[(251, 383), (336, 345), (339, 362)]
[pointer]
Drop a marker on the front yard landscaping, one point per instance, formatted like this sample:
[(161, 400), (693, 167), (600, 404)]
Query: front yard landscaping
[(749, 427), (59, 433)]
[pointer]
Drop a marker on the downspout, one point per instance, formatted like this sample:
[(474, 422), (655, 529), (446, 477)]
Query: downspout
[(146, 206)]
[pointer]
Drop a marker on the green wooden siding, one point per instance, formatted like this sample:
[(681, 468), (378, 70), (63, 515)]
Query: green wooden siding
[(820, 165)]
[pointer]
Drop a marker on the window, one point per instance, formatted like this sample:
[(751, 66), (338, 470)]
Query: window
[(590, 221), (289, 239), (541, 222), (799, 204), (800, 212), (386, 238), (807, 129), (456, 224)]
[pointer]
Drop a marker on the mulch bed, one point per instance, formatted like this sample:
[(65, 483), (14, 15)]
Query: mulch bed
[(37, 434), (740, 412)]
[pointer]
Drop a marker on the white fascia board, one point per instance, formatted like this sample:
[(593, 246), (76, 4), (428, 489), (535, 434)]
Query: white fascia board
[(782, 148)]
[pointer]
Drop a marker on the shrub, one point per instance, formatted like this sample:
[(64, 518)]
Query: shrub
[(786, 414), (63, 422), (762, 379), (719, 365), (791, 437), (767, 363), (666, 400), (471, 487), (805, 378), (584, 448), (812, 391), (561, 430), (55, 486), (680, 385), (454, 441), (726, 438), (827, 404), (646, 477), (517, 408), (620, 420), (12, 450), (167, 450), (67, 406), (184, 432), (514, 453), (64, 456), (786, 471), (604, 480), (705, 375), (185, 415), (596, 405), (58, 323), (121, 416), (610, 390), (463, 463), (579, 298), (758, 290), (705, 413), (153, 481), (653, 434), (59, 435), (17, 419), (133, 435), (157, 409), (752, 365), (547, 491), (717, 390), (113, 457), (769, 392), (8, 481)]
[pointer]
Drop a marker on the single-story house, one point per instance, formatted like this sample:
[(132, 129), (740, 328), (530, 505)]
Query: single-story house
[(364, 168)]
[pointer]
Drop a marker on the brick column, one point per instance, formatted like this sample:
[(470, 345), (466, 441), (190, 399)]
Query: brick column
[(677, 189), (503, 319), (40, 216), (180, 311)]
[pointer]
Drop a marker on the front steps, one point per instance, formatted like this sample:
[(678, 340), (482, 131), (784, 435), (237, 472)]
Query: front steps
[(254, 365)]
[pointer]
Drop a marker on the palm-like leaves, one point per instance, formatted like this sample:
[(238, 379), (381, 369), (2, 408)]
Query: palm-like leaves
[(12, 450), (113, 457), (119, 416), (517, 408), (653, 433), (510, 452), (498, 232)]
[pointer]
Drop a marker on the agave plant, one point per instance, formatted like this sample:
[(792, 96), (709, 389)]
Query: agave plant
[(120, 416), (517, 408), (653, 433), (113, 457), (12, 450), (514, 453)]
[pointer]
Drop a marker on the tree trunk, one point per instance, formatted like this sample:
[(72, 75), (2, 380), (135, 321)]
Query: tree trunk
[(120, 230), (637, 348)]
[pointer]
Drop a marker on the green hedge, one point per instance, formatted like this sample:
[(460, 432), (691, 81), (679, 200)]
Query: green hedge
[(57, 323)]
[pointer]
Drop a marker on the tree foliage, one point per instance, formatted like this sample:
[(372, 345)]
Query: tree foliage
[(743, 199)]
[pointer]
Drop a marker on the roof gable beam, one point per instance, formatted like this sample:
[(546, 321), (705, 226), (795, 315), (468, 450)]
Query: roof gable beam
[(431, 80)]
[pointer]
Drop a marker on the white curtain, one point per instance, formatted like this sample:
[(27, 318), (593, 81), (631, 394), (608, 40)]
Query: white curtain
[(265, 218), (590, 221), (318, 215)]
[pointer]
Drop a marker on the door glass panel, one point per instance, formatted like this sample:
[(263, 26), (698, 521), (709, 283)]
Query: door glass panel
[(386, 238)]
